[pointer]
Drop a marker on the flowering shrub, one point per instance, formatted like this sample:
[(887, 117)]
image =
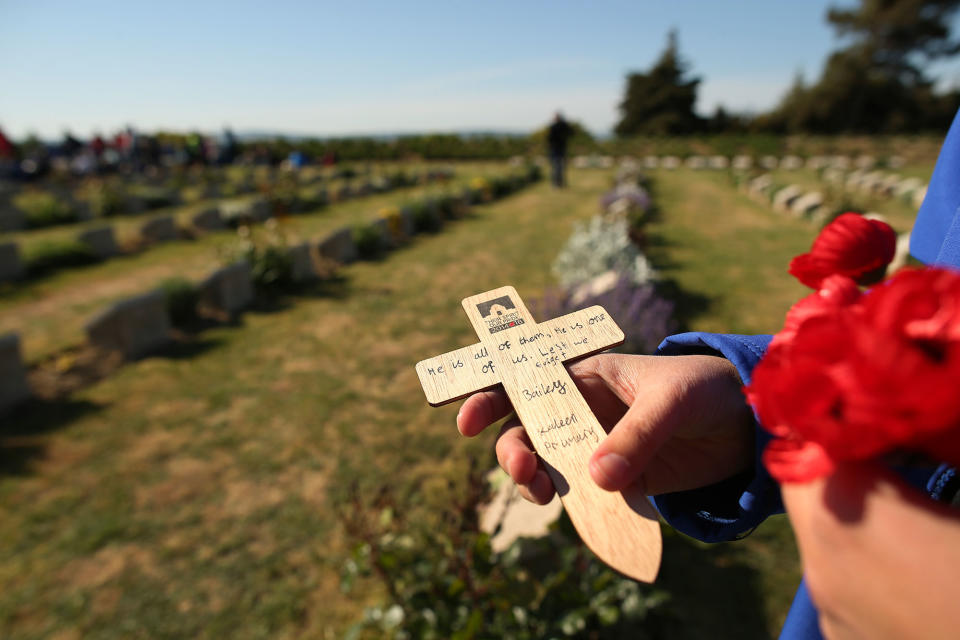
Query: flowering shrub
[(443, 579), (265, 249), (44, 209), (856, 375), (645, 318), (394, 223), (369, 241), (180, 298), (635, 196), (600, 246)]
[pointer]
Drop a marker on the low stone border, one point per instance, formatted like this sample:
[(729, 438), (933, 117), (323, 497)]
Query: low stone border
[(13, 375)]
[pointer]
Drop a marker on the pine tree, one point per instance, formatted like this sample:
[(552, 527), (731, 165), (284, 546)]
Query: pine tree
[(660, 101)]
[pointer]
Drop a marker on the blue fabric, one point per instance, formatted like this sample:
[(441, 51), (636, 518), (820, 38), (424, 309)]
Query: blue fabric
[(729, 509), (935, 238), (802, 622)]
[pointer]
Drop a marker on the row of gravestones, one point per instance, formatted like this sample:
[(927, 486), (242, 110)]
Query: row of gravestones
[(741, 162), (140, 325), (103, 244), (794, 200), (790, 199), (878, 183), (13, 219), (102, 241)]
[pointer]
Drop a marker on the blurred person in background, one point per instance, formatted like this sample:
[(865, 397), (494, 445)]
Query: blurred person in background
[(557, 135)]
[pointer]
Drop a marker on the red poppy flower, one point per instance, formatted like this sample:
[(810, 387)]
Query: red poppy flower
[(854, 377), (852, 246), (835, 293)]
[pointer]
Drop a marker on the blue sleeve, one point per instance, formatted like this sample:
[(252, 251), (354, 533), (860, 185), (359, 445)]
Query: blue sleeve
[(935, 238), (733, 507)]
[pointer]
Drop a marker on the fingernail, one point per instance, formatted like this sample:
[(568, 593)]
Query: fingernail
[(610, 470)]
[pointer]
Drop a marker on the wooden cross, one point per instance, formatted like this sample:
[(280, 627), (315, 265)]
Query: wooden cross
[(527, 357)]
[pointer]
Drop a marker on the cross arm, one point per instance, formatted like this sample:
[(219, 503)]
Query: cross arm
[(457, 374)]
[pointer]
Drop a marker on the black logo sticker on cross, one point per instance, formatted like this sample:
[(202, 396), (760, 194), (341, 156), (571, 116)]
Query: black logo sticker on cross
[(499, 314)]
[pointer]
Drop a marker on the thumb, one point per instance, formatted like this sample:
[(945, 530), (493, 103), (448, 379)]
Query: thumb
[(623, 455)]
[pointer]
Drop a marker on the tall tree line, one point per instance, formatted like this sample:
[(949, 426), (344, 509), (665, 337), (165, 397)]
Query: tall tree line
[(875, 84)]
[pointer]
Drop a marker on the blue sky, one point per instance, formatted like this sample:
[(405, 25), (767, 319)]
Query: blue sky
[(368, 67)]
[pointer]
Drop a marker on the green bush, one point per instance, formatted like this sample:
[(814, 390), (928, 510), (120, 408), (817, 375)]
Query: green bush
[(44, 210), (105, 200), (368, 240), (181, 297), (447, 205), (51, 255), (155, 197), (426, 219), (271, 268), (443, 579), (265, 249)]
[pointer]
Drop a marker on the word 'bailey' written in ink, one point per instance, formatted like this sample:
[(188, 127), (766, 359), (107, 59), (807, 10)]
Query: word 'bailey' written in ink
[(557, 386)]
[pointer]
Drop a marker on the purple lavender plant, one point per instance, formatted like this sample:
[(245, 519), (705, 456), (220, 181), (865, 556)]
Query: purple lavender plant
[(645, 317), (636, 195)]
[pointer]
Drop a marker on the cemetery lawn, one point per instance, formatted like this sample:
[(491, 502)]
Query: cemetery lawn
[(194, 494)]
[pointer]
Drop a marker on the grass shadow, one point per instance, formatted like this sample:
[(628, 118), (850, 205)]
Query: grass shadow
[(687, 305), (714, 592), (20, 436), (187, 346)]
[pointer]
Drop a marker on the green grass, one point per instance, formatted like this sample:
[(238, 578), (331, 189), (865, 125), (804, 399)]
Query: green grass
[(192, 495)]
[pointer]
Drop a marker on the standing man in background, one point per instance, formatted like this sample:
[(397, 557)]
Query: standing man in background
[(557, 135)]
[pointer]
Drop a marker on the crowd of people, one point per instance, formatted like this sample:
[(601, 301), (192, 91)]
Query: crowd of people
[(127, 151)]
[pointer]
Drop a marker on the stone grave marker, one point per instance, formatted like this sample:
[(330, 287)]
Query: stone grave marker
[(670, 163), (13, 376), (408, 223), (135, 327), (11, 217), (906, 187), (101, 241), (11, 267), (159, 229), (246, 211), (696, 163), (785, 196), (807, 204), (208, 219), (918, 196), (791, 163), (651, 162), (718, 162), (302, 265), (228, 290), (387, 239), (742, 163), (527, 359), (338, 246), (769, 162)]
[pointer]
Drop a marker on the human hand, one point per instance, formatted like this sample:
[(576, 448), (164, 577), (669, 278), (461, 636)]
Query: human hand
[(674, 423), (880, 558)]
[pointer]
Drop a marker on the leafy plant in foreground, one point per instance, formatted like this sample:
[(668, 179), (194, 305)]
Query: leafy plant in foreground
[(443, 580)]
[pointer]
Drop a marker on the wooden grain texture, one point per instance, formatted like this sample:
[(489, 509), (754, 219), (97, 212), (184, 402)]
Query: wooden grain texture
[(527, 358), (457, 374)]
